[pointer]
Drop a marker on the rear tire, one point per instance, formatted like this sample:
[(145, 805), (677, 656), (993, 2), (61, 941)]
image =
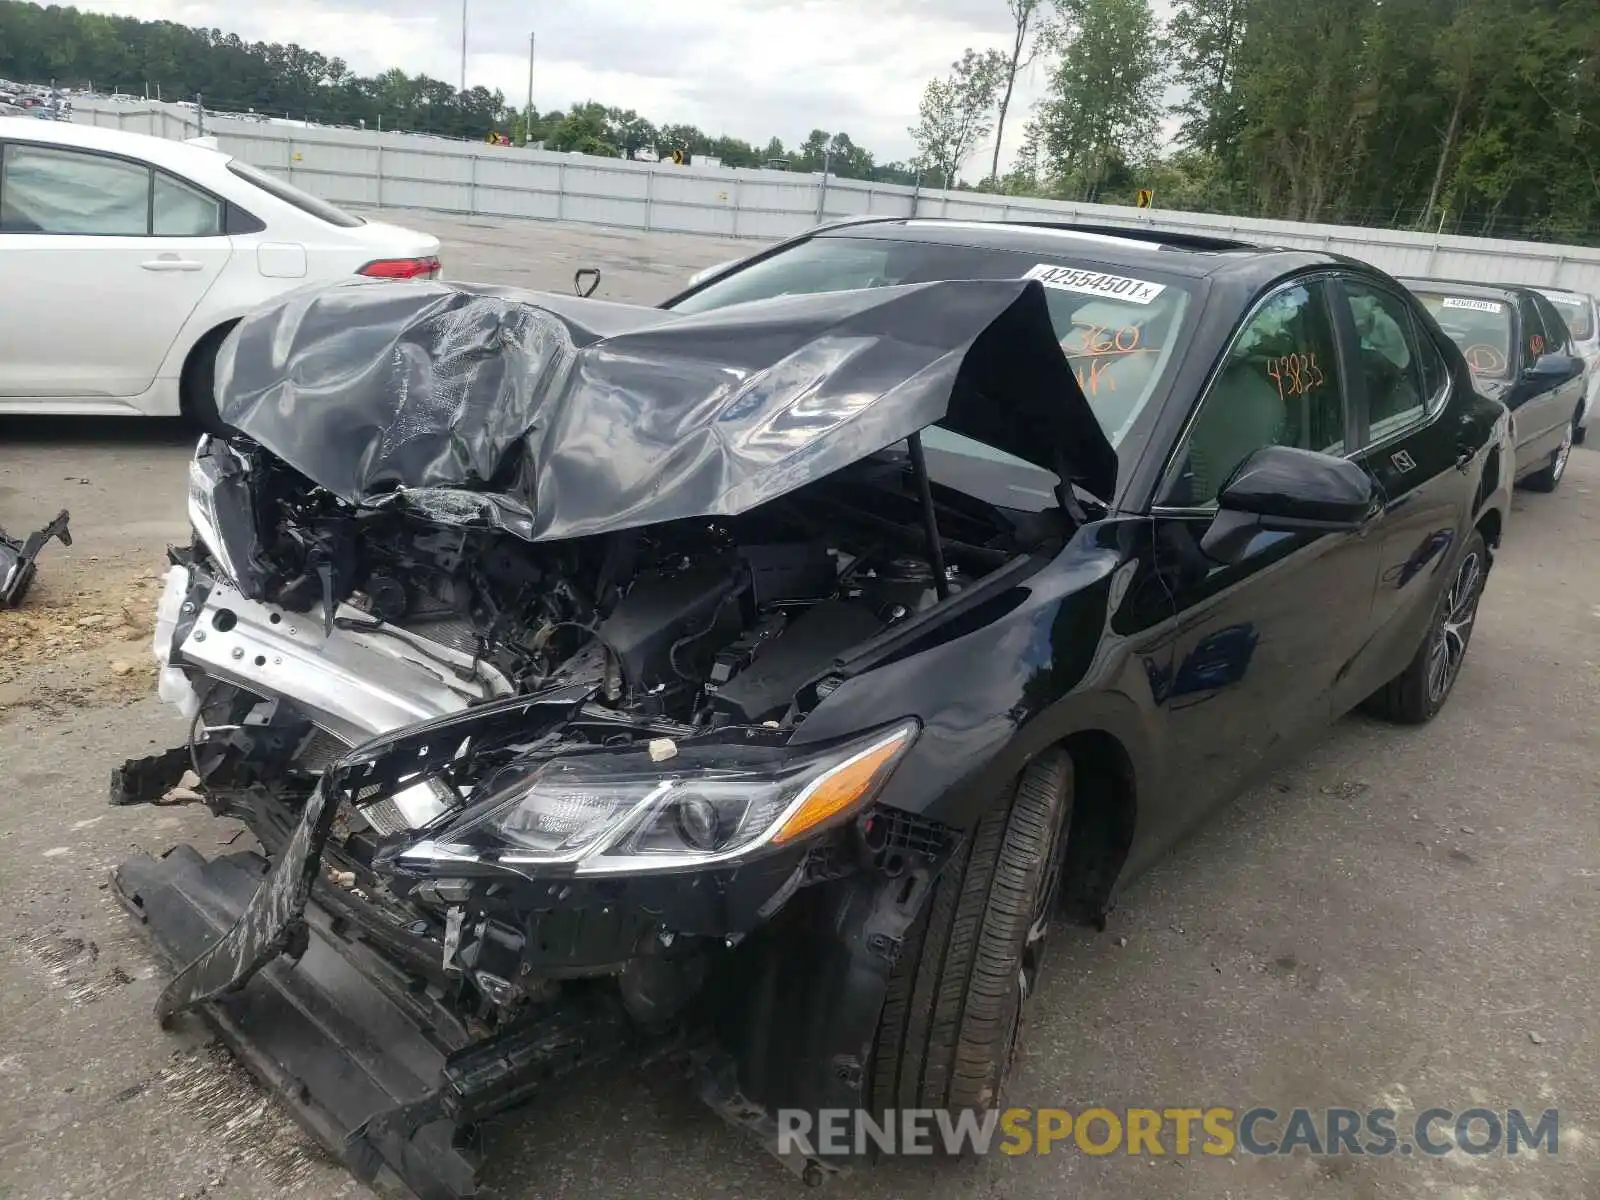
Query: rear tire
[(1549, 478), (953, 1010), (1415, 696), (197, 389)]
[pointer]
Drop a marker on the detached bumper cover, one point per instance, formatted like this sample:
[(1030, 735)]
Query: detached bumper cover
[(336, 1034), (17, 558), (335, 1046)]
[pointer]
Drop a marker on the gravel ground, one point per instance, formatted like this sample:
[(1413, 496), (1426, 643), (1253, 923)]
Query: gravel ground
[(1405, 916)]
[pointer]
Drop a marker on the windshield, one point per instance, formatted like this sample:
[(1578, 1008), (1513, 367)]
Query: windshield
[(1481, 327), (1576, 311), (290, 194), (1118, 330)]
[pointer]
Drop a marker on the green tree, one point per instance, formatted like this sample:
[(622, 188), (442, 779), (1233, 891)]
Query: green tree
[(1102, 109), (956, 113)]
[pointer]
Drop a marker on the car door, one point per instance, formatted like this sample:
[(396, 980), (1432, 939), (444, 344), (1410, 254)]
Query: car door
[(1416, 439), (1259, 644), (104, 259), (1535, 402), (1568, 392)]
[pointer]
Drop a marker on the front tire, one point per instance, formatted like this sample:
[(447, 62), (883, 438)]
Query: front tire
[(953, 1010), (1415, 696)]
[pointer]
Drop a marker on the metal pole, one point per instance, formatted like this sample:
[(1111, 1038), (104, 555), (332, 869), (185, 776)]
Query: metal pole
[(200, 110), (822, 192), (463, 47), (527, 118), (380, 160)]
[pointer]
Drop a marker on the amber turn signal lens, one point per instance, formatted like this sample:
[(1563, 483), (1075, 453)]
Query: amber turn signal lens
[(843, 787)]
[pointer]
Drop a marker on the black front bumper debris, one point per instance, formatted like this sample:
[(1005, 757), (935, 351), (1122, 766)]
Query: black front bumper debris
[(17, 558), (342, 1042)]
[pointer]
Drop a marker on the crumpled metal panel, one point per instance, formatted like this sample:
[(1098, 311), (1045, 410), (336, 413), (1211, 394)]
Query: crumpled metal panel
[(552, 416)]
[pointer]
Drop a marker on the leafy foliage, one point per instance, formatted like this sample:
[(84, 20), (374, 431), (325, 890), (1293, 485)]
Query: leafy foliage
[(957, 112)]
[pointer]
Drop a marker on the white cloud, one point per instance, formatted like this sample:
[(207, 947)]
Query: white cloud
[(747, 68)]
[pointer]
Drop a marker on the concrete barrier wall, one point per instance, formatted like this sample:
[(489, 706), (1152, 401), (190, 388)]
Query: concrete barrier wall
[(364, 168)]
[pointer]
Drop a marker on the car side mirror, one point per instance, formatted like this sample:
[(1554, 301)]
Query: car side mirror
[(1554, 366), (1283, 489)]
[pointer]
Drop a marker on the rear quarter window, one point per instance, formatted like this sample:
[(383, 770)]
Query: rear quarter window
[(331, 214)]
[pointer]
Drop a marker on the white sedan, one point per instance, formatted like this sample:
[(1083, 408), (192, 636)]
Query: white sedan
[(126, 259), (1582, 315)]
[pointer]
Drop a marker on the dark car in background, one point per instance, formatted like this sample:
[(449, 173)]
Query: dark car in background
[(761, 675), (1521, 353)]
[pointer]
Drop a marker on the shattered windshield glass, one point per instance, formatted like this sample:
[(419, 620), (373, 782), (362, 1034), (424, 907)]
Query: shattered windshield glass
[(1117, 330)]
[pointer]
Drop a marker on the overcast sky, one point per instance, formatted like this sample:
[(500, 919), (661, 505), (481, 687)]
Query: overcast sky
[(747, 68)]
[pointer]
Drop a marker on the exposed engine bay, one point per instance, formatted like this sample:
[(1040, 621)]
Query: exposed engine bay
[(704, 622)]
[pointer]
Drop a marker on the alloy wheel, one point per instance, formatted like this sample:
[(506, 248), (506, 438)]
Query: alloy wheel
[(1458, 611)]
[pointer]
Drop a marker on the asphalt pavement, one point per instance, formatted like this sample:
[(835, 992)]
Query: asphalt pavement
[(1404, 918)]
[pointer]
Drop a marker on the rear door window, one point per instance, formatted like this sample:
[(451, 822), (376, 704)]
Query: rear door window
[(1558, 338), (46, 190), (1532, 342), (1387, 356)]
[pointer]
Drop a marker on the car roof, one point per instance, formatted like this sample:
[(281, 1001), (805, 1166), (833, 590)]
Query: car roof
[(162, 152), (1467, 289), (1171, 251), (1566, 294)]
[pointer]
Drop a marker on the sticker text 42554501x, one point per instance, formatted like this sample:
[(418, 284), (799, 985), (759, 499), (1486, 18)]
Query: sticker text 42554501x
[(1096, 283)]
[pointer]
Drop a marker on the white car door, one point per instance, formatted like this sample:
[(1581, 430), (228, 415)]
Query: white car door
[(103, 260)]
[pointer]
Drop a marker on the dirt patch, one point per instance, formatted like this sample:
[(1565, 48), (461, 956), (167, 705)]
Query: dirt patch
[(61, 619), (74, 647)]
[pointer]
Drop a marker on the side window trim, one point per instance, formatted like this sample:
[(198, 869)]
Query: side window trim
[(1317, 281)]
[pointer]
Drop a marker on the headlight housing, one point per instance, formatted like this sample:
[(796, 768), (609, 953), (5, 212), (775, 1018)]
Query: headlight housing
[(204, 476), (617, 812)]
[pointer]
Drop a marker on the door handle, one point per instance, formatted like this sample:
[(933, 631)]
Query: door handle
[(172, 264)]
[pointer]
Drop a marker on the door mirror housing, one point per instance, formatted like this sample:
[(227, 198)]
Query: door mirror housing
[(1282, 489), (1548, 367)]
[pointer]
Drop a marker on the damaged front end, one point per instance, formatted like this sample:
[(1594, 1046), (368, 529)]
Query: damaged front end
[(501, 629)]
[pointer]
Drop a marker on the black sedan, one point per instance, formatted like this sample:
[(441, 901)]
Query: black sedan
[(760, 675), (1521, 353)]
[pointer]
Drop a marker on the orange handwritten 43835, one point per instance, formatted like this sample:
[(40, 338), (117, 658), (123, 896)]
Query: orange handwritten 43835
[(1295, 374)]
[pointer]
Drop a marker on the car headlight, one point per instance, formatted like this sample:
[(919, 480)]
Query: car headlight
[(204, 476), (617, 812)]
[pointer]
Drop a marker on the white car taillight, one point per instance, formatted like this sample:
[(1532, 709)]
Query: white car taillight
[(402, 268)]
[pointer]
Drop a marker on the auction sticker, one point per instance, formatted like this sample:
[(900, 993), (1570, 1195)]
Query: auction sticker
[(1096, 283), (1493, 306)]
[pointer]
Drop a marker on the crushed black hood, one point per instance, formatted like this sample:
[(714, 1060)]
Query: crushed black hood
[(552, 416)]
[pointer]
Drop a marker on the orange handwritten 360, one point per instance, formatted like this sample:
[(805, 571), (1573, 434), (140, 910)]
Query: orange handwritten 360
[(1295, 374), (1098, 340)]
